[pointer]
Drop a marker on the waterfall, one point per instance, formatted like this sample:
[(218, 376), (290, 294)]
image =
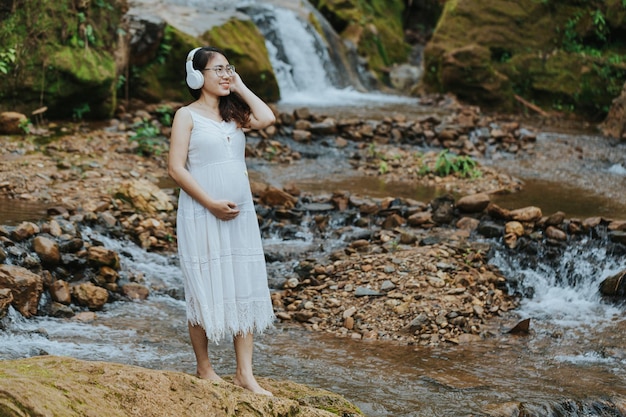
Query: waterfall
[(311, 69), (560, 285)]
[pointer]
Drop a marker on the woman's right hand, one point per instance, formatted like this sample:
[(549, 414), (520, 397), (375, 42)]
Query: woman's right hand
[(224, 210)]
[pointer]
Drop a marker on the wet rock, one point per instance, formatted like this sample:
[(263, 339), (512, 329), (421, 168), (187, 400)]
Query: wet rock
[(26, 288), (6, 298), (522, 327), (89, 295), (526, 214), (24, 231), (100, 256), (555, 233), (618, 236), (443, 209), (61, 292), (614, 286), (135, 291), (475, 203), (60, 310), (490, 229), (47, 250)]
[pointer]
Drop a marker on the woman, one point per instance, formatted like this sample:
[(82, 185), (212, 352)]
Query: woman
[(219, 243)]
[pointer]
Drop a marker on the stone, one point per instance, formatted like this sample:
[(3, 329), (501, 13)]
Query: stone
[(89, 295), (61, 292), (69, 387), (11, 123), (135, 291), (24, 231), (26, 288), (526, 214), (47, 250), (144, 196), (555, 233), (515, 228), (101, 256), (474, 203)]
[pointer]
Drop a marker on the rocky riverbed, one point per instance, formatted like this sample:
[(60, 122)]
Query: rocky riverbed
[(403, 270)]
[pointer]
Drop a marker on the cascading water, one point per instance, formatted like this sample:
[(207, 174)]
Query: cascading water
[(560, 285), (308, 70)]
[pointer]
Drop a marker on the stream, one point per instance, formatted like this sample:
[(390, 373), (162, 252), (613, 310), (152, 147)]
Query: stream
[(571, 364), (574, 357)]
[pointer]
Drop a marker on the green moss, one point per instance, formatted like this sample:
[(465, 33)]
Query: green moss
[(555, 53), (64, 56), (374, 26), (245, 47)]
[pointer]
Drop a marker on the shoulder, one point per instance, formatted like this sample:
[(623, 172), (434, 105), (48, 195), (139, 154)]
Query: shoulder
[(183, 116)]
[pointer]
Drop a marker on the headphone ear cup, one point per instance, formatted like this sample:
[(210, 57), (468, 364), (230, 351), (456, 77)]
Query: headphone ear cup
[(195, 79)]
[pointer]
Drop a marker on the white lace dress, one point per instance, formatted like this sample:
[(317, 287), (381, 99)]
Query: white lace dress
[(222, 262)]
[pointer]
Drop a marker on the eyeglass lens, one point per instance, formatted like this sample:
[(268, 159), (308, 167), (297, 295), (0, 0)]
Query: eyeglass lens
[(220, 70)]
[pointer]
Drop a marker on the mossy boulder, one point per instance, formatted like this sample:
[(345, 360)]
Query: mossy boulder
[(375, 28), (60, 55), (60, 386), (163, 78), (244, 45), (563, 55)]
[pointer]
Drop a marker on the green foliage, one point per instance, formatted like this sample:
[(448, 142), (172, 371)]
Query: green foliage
[(79, 112), (7, 59), (24, 126), (383, 168), (166, 114), (148, 138), (448, 163)]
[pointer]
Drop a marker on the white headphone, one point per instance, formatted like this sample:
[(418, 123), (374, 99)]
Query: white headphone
[(195, 79)]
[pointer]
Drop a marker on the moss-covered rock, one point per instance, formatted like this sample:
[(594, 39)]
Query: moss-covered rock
[(164, 77), (245, 47), (565, 55), (374, 27), (63, 57), (59, 386)]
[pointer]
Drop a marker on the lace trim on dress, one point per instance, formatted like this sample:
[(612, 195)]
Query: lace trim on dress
[(232, 318)]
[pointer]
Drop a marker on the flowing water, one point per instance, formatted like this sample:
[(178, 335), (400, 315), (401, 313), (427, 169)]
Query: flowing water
[(575, 350)]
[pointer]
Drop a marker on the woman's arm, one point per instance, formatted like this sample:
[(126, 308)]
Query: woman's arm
[(261, 116), (177, 158)]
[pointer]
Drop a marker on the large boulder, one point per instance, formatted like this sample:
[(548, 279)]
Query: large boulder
[(559, 55), (374, 28), (161, 76), (64, 57), (57, 386)]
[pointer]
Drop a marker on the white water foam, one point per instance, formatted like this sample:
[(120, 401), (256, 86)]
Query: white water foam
[(568, 295), (617, 169)]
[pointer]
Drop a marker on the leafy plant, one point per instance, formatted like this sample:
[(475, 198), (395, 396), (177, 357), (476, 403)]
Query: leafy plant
[(165, 115), (7, 59), (383, 168), (24, 126), (148, 138), (448, 163), (79, 112)]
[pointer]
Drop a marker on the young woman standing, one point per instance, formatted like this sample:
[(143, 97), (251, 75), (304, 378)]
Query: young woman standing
[(219, 242)]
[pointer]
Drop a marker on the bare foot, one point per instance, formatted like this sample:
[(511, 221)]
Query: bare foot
[(209, 375), (251, 385)]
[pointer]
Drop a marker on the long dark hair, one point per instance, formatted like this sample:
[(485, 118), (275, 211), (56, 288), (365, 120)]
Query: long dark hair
[(232, 106)]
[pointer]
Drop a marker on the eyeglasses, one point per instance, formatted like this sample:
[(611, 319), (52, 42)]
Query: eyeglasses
[(220, 70)]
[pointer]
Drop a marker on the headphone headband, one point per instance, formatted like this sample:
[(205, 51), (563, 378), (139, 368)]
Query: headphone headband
[(191, 54)]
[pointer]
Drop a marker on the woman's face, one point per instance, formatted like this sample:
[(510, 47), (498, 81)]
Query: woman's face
[(217, 75)]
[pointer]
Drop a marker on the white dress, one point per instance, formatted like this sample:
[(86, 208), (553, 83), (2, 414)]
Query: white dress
[(222, 262)]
